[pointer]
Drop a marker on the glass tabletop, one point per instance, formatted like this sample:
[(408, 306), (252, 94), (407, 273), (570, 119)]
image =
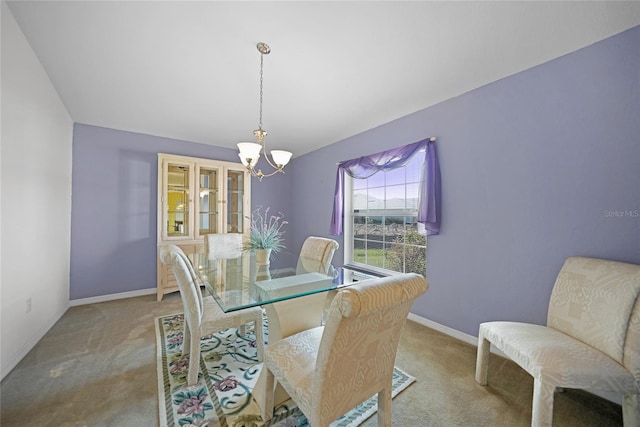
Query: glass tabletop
[(246, 281)]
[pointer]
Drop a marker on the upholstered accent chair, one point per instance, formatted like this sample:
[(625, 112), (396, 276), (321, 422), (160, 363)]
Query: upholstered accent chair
[(591, 340), (330, 369), (203, 315), (223, 245)]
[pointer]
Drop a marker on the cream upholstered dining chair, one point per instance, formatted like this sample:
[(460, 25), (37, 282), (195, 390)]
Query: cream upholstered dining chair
[(223, 245), (315, 257), (204, 315), (591, 340), (330, 369)]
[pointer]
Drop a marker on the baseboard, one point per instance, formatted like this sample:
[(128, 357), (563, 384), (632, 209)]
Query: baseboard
[(470, 339), (28, 346), (112, 297)]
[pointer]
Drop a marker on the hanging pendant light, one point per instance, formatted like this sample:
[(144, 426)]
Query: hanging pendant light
[(250, 151)]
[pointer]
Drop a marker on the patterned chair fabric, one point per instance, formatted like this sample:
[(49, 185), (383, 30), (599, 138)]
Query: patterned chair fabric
[(316, 255), (223, 245), (591, 341), (330, 369), (203, 315)]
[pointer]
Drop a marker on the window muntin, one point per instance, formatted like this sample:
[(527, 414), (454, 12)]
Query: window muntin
[(382, 223)]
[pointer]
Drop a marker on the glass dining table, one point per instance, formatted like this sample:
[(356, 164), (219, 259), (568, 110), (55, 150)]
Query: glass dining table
[(295, 292), (244, 281)]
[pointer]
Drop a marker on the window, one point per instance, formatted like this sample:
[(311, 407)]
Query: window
[(381, 216)]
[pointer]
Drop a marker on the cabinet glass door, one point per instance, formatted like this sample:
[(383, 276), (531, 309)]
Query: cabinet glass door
[(208, 214), (235, 201), (178, 200)]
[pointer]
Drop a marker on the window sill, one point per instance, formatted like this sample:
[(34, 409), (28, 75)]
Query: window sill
[(367, 271)]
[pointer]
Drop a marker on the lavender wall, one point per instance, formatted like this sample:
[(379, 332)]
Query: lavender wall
[(536, 167), (114, 205)]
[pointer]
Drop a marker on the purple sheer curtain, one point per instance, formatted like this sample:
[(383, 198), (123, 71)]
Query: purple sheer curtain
[(366, 166)]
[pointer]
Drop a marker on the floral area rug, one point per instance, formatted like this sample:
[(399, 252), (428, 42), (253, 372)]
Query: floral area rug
[(223, 396)]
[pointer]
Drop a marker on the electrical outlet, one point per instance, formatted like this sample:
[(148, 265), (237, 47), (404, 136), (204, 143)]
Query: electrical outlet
[(28, 305)]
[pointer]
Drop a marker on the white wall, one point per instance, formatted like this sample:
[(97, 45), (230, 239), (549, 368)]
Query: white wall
[(36, 141)]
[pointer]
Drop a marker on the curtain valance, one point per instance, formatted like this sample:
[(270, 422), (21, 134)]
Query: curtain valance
[(366, 166)]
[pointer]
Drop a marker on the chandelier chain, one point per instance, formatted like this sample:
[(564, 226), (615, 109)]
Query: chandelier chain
[(261, 67), (249, 151)]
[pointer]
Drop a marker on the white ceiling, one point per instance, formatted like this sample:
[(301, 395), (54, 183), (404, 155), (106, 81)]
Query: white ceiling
[(189, 70)]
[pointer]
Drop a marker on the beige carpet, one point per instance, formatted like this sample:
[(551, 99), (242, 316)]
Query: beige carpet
[(446, 394), (97, 367)]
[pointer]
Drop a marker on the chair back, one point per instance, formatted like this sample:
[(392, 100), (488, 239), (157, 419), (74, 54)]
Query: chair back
[(188, 284), (223, 245), (316, 255), (597, 302), (358, 348)]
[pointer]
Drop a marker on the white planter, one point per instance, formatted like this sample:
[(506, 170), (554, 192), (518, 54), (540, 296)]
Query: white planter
[(263, 256)]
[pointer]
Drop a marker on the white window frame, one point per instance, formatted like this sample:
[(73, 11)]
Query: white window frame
[(348, 234)]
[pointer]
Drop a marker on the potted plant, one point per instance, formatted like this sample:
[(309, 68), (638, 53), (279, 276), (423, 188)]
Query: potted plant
[(265, 234)]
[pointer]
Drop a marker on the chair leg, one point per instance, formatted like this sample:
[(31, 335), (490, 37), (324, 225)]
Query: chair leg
[(631, 410), (542, 411), (482, 359), (267, 409), (384, 407), (186, 339), (327, 303), (194, 359), (259, 339)]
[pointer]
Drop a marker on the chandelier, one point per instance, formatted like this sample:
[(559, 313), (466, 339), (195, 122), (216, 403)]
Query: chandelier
[(250, 151)]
